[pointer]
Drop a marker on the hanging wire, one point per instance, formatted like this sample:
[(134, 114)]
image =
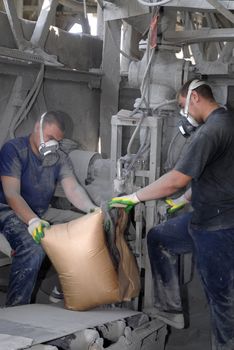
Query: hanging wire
[(28, 103)]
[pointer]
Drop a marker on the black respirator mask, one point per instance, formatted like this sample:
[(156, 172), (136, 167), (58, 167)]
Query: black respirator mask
[(48, 150), (188, 124)]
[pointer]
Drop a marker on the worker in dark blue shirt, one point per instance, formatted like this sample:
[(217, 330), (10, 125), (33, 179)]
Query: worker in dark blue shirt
[(30, 168)]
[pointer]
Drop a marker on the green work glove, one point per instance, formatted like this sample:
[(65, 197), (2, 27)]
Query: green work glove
[(36, 228), (127, 202), (176, 204)]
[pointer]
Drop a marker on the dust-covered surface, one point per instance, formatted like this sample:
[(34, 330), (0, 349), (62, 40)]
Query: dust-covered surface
[(45, 322), (197, 335)]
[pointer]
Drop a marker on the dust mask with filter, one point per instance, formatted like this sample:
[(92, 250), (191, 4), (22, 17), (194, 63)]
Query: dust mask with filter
[(188, 124), (49, 149)]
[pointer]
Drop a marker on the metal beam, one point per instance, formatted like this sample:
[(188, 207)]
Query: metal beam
[(45, 19), (109, 103), (18, 67), (15, 24), (220, 8), (199, 5), (19, 7), (78, 6), (201, 35)]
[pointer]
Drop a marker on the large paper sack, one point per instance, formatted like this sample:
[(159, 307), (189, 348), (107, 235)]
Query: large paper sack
[(81, 257)]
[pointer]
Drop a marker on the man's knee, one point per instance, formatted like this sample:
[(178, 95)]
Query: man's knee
[(153, 236)]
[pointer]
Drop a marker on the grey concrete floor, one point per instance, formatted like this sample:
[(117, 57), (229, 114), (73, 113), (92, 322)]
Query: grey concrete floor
[(195, 337)]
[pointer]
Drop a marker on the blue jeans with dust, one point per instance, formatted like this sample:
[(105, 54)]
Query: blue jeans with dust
[(28, 255), (213, 253), (26, 262)]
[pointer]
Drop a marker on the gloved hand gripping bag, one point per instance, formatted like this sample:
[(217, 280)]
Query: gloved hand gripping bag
[(80, 255)]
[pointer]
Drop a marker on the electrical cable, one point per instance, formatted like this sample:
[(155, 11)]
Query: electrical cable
[(28, 102), (152, 4)]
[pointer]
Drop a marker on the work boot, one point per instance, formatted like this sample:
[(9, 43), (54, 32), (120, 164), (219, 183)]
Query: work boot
[(174, 319), (56, 295)]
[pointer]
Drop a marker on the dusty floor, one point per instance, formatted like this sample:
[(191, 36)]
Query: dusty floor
[(195, 337)]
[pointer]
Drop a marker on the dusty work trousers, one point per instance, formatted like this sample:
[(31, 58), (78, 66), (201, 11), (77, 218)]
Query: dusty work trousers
[(28, 255), (213, 253)]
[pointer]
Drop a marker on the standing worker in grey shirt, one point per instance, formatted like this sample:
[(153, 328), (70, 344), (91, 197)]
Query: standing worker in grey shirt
[(208, 231)]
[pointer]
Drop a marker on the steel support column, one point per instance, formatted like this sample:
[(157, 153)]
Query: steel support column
[(45, 19)]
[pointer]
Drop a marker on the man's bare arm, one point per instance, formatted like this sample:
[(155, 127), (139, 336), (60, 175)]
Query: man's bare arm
[(11, 188), (77, 195), (165, 186)]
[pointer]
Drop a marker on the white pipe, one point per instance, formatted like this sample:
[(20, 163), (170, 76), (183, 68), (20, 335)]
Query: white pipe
[(151, 4), (164, 103), (85, 9)]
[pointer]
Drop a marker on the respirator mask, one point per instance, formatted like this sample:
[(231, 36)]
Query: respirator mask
[(188, 124), (48, 150)]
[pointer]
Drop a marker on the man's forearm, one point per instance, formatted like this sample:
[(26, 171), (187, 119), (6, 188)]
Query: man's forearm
[(80, 199), (21, 208), (166, 185), (77, 195)]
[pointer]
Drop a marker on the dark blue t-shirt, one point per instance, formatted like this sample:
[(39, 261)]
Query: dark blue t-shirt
[(37, 182)]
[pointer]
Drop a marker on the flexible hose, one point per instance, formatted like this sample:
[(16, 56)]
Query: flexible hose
[(134, 134), (151, 4), (165, 103), (143, 85), (143, 148)]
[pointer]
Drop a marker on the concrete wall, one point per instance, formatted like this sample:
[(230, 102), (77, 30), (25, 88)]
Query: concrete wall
[(79, 51), (72, 89)]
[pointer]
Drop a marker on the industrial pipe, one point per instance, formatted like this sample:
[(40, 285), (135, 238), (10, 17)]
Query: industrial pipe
[(151, 4)]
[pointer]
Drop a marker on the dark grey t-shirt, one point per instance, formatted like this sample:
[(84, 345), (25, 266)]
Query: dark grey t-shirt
[(209, 160)]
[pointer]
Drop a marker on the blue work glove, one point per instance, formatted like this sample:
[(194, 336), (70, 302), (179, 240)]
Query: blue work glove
[(36, 228), (175, 204), (127, 202)]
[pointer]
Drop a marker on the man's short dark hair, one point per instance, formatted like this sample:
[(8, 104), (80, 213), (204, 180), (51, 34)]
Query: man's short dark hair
[(55, 117), (203, 90)]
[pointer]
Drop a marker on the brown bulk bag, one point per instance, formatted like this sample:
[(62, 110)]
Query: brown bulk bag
[(128, 273), (80, 255)]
